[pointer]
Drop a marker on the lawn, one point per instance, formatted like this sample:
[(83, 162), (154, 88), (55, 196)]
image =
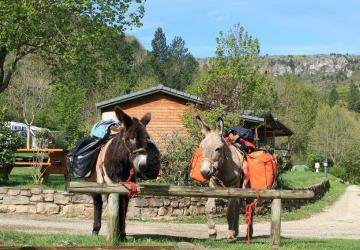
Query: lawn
[(22, 177), (8, 238)]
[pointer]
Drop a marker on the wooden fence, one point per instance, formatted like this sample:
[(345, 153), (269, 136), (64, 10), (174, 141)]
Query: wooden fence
[(168, 190)]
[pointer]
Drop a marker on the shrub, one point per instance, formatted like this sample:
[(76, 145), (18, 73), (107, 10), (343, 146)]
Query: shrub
[(175, 161), (9, 142)]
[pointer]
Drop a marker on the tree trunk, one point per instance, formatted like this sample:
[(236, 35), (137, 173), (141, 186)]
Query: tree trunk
[(3, 53), (28, 136)]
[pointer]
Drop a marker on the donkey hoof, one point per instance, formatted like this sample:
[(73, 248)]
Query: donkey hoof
[(95, 233), (231, 239), (212, 236)]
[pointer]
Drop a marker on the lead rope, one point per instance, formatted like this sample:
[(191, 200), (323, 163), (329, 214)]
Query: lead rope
[(133, 186), (249, 216)]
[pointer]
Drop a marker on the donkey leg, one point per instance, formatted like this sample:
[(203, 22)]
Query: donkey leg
[(210, 209), (97, 213), (123, 206), (233, 219)]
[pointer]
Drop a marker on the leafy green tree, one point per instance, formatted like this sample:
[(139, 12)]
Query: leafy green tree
[(64, 31), (333, 97), (296, 106), (233, 80), (66, 111), (237, 43), (354, 98), (334, 134)]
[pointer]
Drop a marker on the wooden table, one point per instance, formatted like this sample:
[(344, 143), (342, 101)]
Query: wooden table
[(54, 161)]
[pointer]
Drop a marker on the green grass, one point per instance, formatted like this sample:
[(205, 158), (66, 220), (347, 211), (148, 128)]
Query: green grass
[(9, 238), (300, 179), (22, 177)]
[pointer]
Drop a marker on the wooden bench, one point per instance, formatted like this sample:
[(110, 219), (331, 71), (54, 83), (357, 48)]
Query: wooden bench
[(53, 162)]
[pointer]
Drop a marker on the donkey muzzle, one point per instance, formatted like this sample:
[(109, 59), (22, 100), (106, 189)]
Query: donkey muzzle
[(140, 162)]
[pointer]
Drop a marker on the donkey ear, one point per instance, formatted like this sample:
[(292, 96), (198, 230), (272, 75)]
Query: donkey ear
[(204, 128), (123, 117), (220, 125), (146, 119)]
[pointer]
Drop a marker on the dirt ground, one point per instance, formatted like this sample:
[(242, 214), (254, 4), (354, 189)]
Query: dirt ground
[(341, 221)]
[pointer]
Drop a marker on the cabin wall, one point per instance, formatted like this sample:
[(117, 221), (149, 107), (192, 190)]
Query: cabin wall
[(165, 112)]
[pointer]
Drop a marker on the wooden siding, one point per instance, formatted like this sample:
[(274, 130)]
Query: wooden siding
[(165, 112)]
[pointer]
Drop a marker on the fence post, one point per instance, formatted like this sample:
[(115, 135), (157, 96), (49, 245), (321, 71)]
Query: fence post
[(113, 217), (275, 221)]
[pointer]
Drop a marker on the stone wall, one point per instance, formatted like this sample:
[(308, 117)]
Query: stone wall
[(49, 202)]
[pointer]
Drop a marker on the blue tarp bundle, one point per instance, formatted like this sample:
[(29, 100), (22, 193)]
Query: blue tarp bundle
[(101, 129)]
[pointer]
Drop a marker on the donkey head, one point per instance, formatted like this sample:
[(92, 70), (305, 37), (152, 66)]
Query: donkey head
[(134, 138), (213, 147)]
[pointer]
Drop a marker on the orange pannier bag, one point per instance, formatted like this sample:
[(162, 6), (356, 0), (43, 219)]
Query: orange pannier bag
[(262, 170), (195, 172)]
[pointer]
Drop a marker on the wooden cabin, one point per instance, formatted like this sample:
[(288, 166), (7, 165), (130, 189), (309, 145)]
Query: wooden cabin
[(167, 105)]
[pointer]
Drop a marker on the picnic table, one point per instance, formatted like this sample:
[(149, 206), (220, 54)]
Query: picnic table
[(49, 160)]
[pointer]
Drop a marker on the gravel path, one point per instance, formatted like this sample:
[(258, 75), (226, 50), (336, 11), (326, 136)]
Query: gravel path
[(342, 220)]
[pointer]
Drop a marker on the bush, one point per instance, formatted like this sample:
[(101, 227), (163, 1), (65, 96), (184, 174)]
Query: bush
[(348, 168), (175, 161), (9, 142)]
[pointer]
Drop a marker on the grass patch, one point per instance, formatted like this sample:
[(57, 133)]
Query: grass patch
[(22, 177), (16, 239), (299, 179)]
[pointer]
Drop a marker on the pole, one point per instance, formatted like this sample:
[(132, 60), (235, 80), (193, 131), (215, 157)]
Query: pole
[(275, 221), (113, 218)]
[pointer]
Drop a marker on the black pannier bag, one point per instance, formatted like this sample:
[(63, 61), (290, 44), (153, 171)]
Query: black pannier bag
[(81, 159), (152, 168)]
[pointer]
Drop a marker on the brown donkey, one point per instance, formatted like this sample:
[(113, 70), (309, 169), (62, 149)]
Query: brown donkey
[(120, 159), (222, 165)]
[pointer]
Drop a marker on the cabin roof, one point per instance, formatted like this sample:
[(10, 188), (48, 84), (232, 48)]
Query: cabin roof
[(150, 91)]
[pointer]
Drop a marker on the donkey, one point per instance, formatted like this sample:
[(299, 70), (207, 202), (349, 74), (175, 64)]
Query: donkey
[(119, 160), (222, 165)]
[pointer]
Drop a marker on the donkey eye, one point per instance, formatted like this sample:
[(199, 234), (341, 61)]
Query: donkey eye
[(217, 150)]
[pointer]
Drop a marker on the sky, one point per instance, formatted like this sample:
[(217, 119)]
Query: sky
[(284, 27)]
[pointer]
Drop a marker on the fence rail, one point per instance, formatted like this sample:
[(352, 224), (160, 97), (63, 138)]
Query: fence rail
[(168, 190)]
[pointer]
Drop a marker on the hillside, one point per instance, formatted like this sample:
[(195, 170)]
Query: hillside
[(323, 71)]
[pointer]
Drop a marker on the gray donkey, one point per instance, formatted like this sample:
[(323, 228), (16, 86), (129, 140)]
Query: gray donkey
[(222, 165)]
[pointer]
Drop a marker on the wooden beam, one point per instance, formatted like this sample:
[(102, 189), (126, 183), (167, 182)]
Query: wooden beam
[(275, 221), (113, 218), (169, 190)]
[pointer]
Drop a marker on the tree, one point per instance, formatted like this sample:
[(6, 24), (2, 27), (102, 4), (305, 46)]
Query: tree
[(30, 91), (335, 133), (237, 43), (354, 98), (58, 30), (66, 111), (297, 104), (182, 66), (172, 64), (233, 80), (159, 46), (333, 97)]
